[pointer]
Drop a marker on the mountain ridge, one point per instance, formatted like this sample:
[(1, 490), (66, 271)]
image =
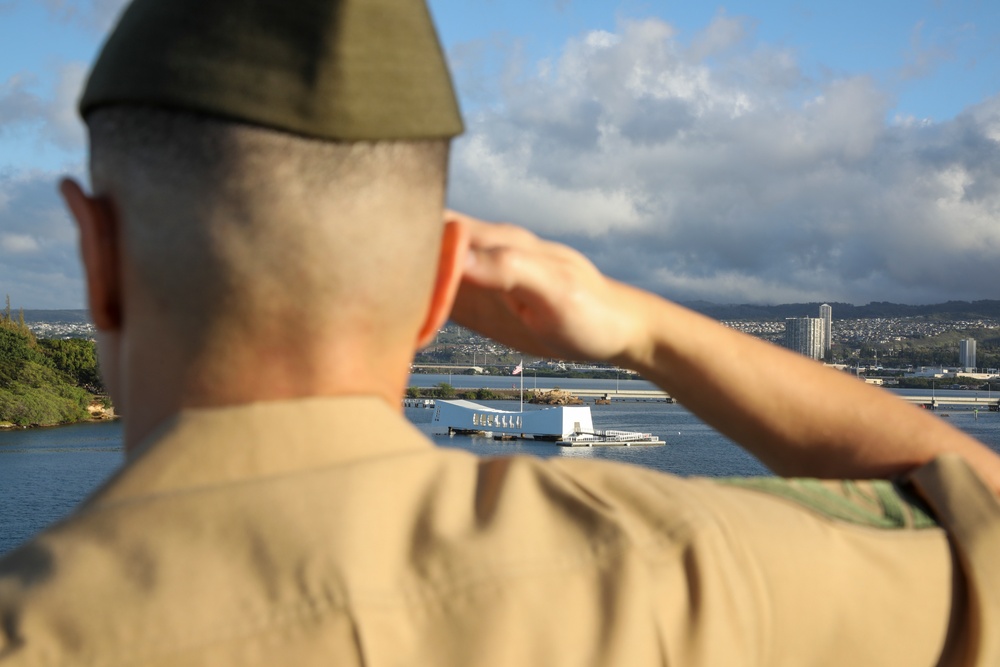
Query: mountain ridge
[(962, 310), (951, 310)]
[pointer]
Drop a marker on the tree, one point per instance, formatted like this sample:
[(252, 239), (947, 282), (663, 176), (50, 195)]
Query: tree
[(77, 359), (43, 382)]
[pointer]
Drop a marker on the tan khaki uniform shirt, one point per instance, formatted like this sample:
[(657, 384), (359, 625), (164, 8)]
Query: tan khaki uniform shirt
[(330, 531)]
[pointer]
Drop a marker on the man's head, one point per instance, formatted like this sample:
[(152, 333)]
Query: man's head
[(233, 229), (245, 246)]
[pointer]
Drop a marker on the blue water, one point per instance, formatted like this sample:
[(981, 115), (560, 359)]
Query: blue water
[(45, 473), (693, 448)]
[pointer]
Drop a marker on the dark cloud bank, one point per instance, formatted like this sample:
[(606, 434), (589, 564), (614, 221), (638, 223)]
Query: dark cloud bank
[(712, 170), (716, 171)]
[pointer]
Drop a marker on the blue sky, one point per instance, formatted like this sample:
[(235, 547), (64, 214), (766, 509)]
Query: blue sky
[(934, 57), (741, 152)]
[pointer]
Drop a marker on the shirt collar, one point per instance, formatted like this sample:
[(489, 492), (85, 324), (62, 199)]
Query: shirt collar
[(205, 447)]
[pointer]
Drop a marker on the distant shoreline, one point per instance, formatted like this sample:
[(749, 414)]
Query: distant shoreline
[(97, 410), (10, 426)]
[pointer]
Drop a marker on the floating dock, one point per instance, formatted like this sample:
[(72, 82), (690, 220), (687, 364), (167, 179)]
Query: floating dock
[(611, 438), (567, 425)]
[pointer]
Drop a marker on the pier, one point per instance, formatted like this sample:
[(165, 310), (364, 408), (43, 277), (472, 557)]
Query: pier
[(641, 395), (648, 395), (971, 402), (448, 368), (968, 402)]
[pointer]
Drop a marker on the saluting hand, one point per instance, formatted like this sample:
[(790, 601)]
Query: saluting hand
[(544, 298)]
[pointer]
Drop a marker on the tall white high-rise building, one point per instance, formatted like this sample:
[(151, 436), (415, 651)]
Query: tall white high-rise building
[(805, 336), (967, 354), (826, 314)]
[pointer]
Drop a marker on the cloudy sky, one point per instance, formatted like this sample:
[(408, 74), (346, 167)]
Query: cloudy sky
[(751, 152)]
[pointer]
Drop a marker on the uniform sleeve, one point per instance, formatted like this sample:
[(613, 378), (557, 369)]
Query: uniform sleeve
[(842, 572), (970, 513)]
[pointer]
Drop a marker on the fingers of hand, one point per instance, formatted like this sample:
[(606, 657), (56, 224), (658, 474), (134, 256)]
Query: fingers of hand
[(536, 295), (500, 268), (498, 316)]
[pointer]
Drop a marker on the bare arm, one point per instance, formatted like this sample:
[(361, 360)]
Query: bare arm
[(798, 417)]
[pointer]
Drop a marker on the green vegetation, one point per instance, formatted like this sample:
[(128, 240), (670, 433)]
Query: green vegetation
[(77, 359), (44, 382), (938, 350), (446, 391), (959, 382)]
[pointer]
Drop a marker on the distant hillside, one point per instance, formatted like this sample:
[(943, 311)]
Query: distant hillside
[(952, 310), (56, 316), (44, 382)]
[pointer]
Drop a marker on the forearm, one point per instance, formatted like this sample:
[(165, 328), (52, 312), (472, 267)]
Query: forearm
[(797, 416)]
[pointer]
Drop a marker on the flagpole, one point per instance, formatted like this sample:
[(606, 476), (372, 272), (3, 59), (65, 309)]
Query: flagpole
[(522, 384)]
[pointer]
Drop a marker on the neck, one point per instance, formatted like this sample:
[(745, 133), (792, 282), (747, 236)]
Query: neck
[(160, 382)]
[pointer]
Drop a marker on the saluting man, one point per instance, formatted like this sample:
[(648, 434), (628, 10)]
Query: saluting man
[(265, 247)]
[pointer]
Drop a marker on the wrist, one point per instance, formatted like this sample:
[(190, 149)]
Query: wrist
[(638, 349)]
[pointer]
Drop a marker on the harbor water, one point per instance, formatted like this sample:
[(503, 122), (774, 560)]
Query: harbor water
[(45, 473)]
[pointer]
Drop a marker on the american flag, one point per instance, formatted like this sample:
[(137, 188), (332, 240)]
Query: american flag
[(520, 367)]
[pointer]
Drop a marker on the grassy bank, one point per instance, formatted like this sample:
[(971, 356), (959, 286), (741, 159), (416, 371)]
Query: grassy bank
[(46, 382)]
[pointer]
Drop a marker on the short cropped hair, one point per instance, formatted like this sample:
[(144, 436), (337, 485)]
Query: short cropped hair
[(228, 222)]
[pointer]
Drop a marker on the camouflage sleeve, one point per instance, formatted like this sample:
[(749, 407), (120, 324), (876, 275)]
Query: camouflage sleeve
[(874, 503), (970, 512), (945, 494)]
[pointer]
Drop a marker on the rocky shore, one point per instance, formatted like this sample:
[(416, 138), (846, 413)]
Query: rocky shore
[(98, 410), (555, 397)]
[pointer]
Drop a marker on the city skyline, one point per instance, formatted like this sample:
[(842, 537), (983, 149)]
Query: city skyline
[(759, 153), (857, 340), (805, 336), (826, 314), (967, 353)]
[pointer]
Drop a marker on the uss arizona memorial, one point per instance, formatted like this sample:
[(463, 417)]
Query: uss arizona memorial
[(566, 425)]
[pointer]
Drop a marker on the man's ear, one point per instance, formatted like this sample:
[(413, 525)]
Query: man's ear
[(98, 227), (451, 265)]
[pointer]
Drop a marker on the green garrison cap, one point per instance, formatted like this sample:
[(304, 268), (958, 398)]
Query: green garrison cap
[(345, 70)]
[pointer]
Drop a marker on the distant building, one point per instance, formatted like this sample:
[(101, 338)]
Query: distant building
[(826, 314), (805, 336), (967, 354)]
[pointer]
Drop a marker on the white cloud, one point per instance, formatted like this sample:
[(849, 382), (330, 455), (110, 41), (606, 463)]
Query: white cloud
[(63, 126), (18, 243), (18, 104), (52, 116), (717, 171), (722, 34), (923, 58), (39, 267)]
